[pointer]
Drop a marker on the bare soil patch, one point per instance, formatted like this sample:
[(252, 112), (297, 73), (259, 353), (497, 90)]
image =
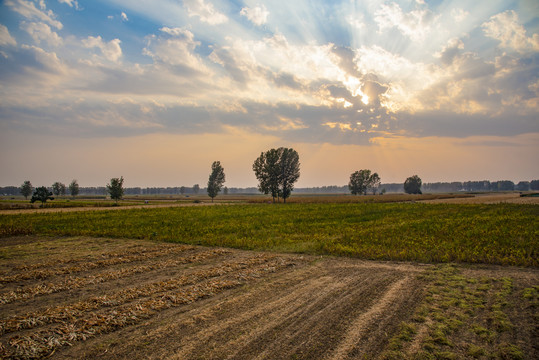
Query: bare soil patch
[(92, 208), (87, 298), (488, 198)]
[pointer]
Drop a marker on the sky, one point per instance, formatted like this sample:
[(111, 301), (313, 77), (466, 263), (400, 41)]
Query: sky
[(156, 90)]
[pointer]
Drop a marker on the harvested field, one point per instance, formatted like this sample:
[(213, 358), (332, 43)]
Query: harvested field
[(88, 298)]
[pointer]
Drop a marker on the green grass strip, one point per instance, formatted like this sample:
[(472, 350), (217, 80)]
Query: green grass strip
[(495, 233)]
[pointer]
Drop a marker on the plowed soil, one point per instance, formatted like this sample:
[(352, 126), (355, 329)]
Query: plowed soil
[(86, 298)]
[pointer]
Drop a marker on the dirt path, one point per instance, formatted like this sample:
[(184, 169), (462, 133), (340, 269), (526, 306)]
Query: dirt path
[(137, 299), (490, 198), (97, 208)]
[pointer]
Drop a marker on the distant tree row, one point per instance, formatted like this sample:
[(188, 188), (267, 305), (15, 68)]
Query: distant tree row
[(26, 189), (277, 170)]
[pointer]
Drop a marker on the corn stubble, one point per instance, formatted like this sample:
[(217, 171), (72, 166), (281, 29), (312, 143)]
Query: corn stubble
[(40, 333)]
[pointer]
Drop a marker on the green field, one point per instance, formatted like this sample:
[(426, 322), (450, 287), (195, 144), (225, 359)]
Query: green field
[(504, 234)]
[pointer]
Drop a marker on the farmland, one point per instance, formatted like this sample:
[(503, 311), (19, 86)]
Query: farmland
[(310, 280), (474, 233)]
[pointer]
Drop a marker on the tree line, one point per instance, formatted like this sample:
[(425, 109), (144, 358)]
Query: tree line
[(276, 170)]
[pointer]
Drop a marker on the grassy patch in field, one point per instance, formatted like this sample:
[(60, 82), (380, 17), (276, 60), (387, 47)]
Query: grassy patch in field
[(496, 234), (460, 317)]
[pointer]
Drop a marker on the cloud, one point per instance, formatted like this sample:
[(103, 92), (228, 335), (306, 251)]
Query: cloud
[(195, 79), (26, 69), (71, 3), (5, 37), (414, 24), (205, 11), (257, 15), (176, 47), (42, 32), (124, 17), (30, 12), (451, 50), (459, 14), (505, 27), (111, 50)]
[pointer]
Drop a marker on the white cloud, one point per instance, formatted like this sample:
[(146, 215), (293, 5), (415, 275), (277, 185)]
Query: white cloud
[(176, 48), (28, 10), (356, 21), (111, 50), (71, 3), (49, 61), (414, 24), (124, 17), (257, 15), (459, 15), (5, 37), (338, 125), (205, 11), (41, 32), (505, 27)]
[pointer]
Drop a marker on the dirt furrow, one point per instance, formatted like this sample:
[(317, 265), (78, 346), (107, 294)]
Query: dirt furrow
[(324, 317), (253, 321), (79, 282), (86, 264), (116, 298), (359, 325), (43, 342)]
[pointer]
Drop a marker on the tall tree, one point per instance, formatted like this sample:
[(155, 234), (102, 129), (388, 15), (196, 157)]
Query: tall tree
[(289, 166), (277, 170), (412, 185), (216, 179), (115, 188), (267, 171), (374, 183), (58, 188), (196, 188), (41, 194), (74, 188), (26, 189), (360, 181)]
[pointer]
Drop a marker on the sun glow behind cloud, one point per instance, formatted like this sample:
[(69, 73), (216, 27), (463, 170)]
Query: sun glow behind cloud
[(342, 73)]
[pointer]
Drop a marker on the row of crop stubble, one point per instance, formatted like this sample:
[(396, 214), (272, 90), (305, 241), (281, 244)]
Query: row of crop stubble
[(496, 233)]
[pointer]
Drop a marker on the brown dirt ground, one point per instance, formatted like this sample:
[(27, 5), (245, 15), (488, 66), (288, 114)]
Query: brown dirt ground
[(190, 302), (489, 198)]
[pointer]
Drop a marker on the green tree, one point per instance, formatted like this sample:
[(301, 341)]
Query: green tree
[(360, 181), (58, 188), (41, 194), (289, 166), (74, 188), (374, 183), (412, 185), (277, 170), (267, 171), (115, 188), (216, 179), (26, 189)]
